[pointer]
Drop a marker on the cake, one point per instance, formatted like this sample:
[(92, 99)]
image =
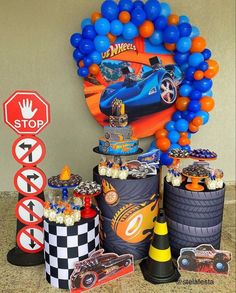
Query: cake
[(118, 137)]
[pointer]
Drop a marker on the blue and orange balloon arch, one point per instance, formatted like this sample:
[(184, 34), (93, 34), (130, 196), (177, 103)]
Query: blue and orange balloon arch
[(153, 20)]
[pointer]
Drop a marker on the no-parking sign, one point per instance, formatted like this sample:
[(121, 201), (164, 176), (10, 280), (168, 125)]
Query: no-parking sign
[(30, 239), (30, 181)]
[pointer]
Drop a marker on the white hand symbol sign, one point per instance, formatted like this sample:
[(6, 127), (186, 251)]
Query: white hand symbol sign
[(26, 109)]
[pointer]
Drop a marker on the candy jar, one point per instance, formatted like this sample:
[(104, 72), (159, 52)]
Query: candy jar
[(219, 178), (115, 171), (47, 209), (211, 182), (176, 178), (109, 169), (102, 167), (60, 216), (169, 175), (124, 172)]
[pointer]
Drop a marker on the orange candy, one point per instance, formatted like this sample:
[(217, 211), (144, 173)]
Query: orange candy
[(161, 133), (184, 141), (198, 45), (95, 16), (170, 47), (197, 121), (198, 75), (124, 17), (212, 70), (193, 128), (173, 19), (182, 103), (163, 144), (146, 29), (207, 104), (94, 69), (111, 37)]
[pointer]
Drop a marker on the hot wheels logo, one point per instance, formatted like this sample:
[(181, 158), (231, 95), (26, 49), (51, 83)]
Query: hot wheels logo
[(117, 49)]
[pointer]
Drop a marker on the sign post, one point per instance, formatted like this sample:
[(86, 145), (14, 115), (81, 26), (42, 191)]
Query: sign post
[(28, 113)]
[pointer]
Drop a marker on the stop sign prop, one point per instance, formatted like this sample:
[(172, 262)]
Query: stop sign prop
[(26, 112)]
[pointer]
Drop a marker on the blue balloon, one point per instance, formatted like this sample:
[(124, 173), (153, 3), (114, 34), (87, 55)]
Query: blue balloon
[(89, 32), (184, 66), (165, 159), (173, 136), (208, 93), (204, 115), (102, 26), (181, 58), (138, 16), (87, 61), (96, 57), (152, 9), (83, 71), (86, 21), (77, 55), (174, 146), (203, 85), (116, 27), (156, 38), (195, 59), (181, 125), (183, 19), (75, 39), (101, 43), (171, 34), (176, 116), (130, 31), (86, 46), (195, 95), (195, 32), (170, 126), (165, 9), (185, 114), (206, 54), (194, 106), (203, 66), (160, 23), (187, 148), (190, 116), (138, 3), (109, 10), (185, 90), (152, 146), (184, 44), (185, 29), (189, 73), (126, 5)]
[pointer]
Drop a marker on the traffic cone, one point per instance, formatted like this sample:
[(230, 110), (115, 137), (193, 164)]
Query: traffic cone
[(158, 267)]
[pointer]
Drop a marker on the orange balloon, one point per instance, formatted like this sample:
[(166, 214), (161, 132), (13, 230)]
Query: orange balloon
[(198, 45), (173, 19), (207, 104), (111, 37), (95, 16), (94, 69), (197, 121), (193, 128), (198, 75), (184, 141), (124, 17), (163, 144), (161, 133), (81, 63), (183, 134), (146, 29), (182, 103), (212, 70), (170, 47)]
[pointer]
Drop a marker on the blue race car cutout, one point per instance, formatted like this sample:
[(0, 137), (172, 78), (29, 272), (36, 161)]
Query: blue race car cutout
[(155, 91)]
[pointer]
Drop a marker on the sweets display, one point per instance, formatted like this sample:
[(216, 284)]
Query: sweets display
[(178, 153), (215, 180), (87, 187), (174, 177), (64, 179), (203, 154), (195, 171), (118, 138), (113, 169)]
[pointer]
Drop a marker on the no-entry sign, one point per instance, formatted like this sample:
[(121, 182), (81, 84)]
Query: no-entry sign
[(30, 239), (28, 150), (30, 181), (26, 112)]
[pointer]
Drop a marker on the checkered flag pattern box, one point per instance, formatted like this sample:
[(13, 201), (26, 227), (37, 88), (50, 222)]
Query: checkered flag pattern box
[(63, 246)]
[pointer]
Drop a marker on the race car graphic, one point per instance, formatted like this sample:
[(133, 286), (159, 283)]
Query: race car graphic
[(98, 267), (152, 92)]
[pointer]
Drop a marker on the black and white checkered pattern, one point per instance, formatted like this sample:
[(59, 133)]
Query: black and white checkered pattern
[(66, 245)]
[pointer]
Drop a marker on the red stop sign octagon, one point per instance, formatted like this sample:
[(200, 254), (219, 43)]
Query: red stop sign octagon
[(26, 112)]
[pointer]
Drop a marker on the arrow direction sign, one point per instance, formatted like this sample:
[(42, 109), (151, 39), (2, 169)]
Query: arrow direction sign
[(32, 244), (30, 181), (28, 150), (30, 239), (31, 206)]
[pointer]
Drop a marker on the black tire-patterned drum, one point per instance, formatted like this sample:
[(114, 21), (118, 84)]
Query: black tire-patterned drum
[(128, 212), (193, 217), (63, 246)]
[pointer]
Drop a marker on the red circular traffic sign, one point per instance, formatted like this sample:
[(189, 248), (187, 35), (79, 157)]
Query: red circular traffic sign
[(30, 181), (30, 239), (26, 112), (29, 210), (28, 150)]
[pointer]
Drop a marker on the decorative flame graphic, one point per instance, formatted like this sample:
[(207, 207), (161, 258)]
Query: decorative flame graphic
[(65, 173)]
